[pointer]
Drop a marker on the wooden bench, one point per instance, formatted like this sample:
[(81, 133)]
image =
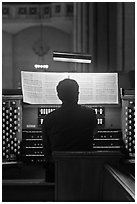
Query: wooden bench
[(79, 175)]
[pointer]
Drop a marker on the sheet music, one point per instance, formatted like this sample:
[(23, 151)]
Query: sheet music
[(94, 88), (40, 88), (97, 88)]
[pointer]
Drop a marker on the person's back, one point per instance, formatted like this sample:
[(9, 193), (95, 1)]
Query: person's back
[(71, 127)]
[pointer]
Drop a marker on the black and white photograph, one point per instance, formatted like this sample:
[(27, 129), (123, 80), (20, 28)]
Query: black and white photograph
[(68, 101)]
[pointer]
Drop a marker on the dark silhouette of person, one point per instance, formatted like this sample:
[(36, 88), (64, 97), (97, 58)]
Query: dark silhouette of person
[(70, 127)]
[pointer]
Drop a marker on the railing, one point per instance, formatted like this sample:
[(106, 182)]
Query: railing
[(118, 186)]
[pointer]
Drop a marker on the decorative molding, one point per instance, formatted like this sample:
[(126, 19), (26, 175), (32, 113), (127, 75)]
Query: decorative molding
[(19, 16), (28, 10)]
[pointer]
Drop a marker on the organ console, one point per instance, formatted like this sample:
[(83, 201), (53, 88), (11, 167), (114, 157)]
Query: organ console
[(22, 133)]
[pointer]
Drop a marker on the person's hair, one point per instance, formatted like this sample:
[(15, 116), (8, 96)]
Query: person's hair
[(68, 90)]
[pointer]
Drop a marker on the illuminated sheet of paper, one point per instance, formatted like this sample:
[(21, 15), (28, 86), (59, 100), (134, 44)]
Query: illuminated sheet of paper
[(40, 88), (97, 88), (94, 88)]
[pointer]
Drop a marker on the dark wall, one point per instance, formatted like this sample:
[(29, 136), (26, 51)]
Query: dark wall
[(113, 31)]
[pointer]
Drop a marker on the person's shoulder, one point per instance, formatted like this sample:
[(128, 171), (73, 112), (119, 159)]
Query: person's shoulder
[(86, 108), (53, 113), (50, 117)]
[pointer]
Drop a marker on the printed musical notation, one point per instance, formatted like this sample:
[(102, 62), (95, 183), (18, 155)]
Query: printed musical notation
[(94, 88)]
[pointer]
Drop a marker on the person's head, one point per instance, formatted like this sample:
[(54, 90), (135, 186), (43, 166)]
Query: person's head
[(68, 91)]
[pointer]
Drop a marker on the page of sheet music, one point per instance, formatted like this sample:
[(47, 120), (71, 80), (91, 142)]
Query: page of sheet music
[(97, 88), (94, 88)]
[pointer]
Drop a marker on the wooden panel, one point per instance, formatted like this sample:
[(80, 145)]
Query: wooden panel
[(129, 37), (112, 13), (79, 175), (80, 172), (102, 37)]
